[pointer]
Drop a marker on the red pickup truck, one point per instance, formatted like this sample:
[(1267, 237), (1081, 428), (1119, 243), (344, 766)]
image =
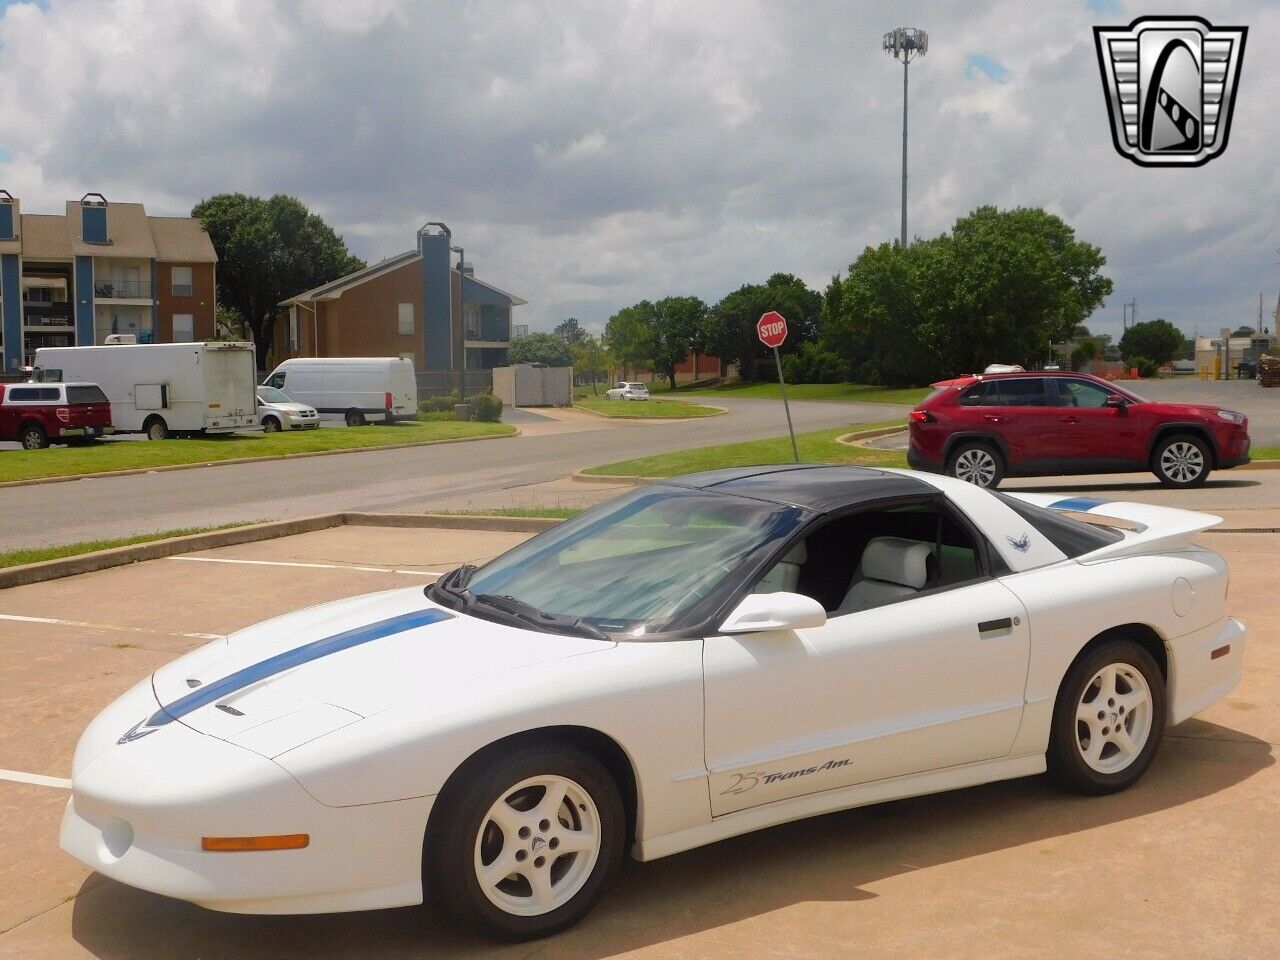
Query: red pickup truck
[(38, 414)]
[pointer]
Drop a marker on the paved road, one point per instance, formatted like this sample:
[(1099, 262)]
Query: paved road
[(384, 480)]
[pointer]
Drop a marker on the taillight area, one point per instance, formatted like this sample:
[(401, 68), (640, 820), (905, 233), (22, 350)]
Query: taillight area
[(63, 414), (921, 416), (388, 401)]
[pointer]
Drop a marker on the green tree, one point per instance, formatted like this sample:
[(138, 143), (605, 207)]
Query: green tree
[(571, 331), (629, 336), (590, 359), (1245, 331), (1156, 339), (1001, 287), (540, 348), (676, 330), (1084, 351), (269, 250), (731, 324)]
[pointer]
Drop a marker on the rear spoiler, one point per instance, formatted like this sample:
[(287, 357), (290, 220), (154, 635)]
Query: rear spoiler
[(1146, 528)]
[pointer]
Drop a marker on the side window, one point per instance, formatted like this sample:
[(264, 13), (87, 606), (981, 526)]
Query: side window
[(876, 557), (22, 394), (1023, 392), (1081, 393), (980, 395), (276, 380)]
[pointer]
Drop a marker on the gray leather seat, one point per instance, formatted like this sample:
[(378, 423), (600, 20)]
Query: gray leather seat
[(785, 574), (891, 568)]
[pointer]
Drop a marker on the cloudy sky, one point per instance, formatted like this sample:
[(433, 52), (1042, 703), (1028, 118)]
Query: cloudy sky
[(588, 154)]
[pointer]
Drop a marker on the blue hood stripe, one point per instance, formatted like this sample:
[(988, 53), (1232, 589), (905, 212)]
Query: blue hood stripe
[(1078, 503), (293, 658)]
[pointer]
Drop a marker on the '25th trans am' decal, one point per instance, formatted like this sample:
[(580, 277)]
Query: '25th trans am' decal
[(742, 782)]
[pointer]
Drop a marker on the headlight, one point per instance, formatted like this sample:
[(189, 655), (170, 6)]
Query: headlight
[(1231, 416)]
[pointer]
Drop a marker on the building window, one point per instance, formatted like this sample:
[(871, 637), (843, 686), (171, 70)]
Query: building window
[(293, 329), (180, 281), (405, 314), (184, 328), (471, 320)]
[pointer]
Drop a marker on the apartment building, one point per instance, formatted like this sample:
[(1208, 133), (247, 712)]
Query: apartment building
[(416, 304), (100, 268)]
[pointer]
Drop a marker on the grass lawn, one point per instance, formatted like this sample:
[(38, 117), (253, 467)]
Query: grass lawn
[(652, 409), (537, 513), (1265, 453), (107, 456), (851, 392), (819, 446), (14, 558)]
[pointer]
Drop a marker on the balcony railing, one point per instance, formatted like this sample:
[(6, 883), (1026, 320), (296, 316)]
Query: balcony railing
[(122, 290)]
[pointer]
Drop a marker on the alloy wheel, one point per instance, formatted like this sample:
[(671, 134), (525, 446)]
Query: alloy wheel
[(1113, 718), (976, 466), (537, 845), (1182, 461)]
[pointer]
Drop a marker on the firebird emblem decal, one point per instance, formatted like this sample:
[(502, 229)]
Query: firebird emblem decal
[(1022, 544)]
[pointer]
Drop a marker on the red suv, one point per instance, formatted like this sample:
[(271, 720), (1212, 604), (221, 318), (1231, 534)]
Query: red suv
[(984, 428), (37, 414)]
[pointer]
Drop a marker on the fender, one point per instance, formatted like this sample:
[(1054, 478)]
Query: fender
[(992, 438), (1199, 430)]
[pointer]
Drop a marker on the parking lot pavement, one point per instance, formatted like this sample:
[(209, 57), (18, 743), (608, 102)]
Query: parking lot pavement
[(1183, 865)]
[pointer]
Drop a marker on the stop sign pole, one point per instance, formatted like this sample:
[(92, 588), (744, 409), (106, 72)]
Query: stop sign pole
[(771, 328)]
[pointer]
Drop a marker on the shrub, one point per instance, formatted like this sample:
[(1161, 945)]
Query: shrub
[(815, 364), (1146, 366), (486, 407), (441, 404)]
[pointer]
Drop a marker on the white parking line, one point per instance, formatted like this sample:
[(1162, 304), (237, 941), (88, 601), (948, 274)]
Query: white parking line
[(313, 566), (87, 625), (17, 776)]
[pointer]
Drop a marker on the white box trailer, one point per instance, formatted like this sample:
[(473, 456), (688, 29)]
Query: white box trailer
[(164, 388), (357, 389)]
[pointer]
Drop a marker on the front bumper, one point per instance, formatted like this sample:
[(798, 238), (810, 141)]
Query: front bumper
[(138, 812), (1204, 666)]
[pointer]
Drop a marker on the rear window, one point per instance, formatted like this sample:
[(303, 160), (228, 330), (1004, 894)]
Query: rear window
[(89, 394), (1073, 537)]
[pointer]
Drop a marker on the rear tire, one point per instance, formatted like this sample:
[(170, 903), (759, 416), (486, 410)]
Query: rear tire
[(514, 880), (1181, 460), (355, 418), (156, 429), (1108, 719), (978, 463), (33, 437)]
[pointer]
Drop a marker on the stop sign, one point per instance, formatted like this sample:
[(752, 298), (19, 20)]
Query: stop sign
[(772, 329)]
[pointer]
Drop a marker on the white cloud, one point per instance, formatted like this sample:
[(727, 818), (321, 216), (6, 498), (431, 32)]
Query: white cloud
[(590, 154)]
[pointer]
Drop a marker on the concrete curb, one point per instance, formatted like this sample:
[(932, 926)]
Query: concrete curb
[(855, 439), (709, 406), (251, 533), (239, 460)]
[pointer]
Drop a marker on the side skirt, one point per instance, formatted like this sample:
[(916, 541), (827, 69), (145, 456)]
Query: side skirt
[(845, 798)]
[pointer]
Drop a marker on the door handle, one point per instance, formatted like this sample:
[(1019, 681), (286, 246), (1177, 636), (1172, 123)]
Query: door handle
[(1004, 623), (1068, 419), (992, 417)]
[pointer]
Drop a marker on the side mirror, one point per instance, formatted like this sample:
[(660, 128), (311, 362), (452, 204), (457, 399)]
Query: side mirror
[(1115, 400), (759, 612)]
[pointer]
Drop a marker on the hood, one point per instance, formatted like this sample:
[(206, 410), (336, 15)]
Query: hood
[(279, 683), (1198, 411), (288, 407)]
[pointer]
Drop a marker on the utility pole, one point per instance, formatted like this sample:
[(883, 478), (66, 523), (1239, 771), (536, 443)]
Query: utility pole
[(1129, 314), (905, 44)]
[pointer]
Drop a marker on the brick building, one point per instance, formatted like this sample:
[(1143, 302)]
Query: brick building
[(416, 304), (99, 268)]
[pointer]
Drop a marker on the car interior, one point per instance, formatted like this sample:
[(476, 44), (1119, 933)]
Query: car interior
[(874, 557)]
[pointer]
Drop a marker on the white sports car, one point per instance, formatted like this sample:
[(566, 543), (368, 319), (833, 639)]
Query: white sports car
[(693, 660)]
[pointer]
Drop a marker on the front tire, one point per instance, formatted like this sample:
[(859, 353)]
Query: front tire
[(977, 463), (524, 844), (1181, 460), (1108, 719), (270, 425)]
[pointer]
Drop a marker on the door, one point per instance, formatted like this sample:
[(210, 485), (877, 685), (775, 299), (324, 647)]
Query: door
[(1090, 430), (929, 677)]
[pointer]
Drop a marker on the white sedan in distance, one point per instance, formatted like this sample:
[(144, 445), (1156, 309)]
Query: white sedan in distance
[(627, 391), (696, 659), (278, 411)]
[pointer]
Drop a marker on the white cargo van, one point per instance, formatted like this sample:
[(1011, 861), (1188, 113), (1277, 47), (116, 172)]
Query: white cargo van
[(164, 388), (355, 388)]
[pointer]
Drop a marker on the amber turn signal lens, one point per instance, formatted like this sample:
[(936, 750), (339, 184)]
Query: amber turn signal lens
[(288, 841), (1220, 652)]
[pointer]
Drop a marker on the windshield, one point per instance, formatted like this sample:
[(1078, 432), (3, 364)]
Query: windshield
[(641, 563), (272, 395)]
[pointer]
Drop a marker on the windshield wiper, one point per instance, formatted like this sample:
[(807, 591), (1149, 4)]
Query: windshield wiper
[(528, 613), (453, 586)]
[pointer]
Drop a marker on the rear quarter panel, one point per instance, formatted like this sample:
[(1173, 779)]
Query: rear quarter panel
[(1070, 603)]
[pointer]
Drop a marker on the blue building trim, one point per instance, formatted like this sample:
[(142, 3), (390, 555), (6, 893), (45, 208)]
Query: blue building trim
[(11, 298), (437, 308), (93, 224), (84, 301), (6, 220)]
